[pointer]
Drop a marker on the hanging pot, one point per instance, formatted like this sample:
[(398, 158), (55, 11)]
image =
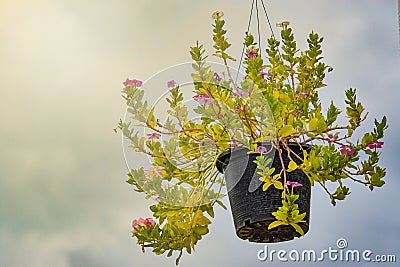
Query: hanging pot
[(251, 206)]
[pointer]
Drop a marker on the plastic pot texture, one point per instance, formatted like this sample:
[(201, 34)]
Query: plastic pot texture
[(251, 206)]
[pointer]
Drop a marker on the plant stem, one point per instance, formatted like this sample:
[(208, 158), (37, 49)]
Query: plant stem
[(283, 168)]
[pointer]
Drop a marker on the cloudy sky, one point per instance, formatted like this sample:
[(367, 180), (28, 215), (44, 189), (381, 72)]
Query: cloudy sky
[(63, 197)]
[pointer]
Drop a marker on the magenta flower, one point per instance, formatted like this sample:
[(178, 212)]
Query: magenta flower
[(293, 184), (306, 94), (239, 108), (171, 84), (203, 99), (149, 221), (217, 77), (242, 93), (375, 144), (348, 150), (142, 223), (152, 136), (252, 53), (331, 138), (133, 82), (263, 73), (261, 149), (138, 223)]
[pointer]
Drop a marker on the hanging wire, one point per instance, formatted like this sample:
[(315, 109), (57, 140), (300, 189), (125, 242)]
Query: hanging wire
[(244, 46), (269, 22), (258, 29)]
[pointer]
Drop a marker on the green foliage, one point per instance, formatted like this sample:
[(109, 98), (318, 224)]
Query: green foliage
[(266, 173), (233, 114), (289, 214)]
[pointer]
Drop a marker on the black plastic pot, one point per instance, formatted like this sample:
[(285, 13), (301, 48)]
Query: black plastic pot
[(251, 209)]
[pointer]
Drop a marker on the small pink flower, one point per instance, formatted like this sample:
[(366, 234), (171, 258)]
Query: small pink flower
[(242, 93), (133, 82), (152, 136), (263, 73), (217, 77), (348, 150), (306, 94), (149, 221), (154, 170), (171, 84), (332, 138), (142, 223), (252, 53), (158, 170), (239, 108), (293, 184), (375, 144), (261, 149), (138, 223), (203, 99)]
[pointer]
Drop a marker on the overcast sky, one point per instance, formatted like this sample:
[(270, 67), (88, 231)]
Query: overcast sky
[(63, 197)]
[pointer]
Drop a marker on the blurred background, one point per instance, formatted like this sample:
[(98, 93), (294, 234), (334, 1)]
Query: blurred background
[(64, 201)]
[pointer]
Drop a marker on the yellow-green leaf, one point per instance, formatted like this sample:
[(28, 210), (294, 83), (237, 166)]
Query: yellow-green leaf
[(200, 219), (313, 125), (276, 224), (297, 228), (278, 185), (292, 166), (266, 185), (151, 120), (286, 131)]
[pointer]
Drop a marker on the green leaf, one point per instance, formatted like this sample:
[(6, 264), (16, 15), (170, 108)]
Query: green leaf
[(292, 166), (266, 185), (278, 185), (297, 228), (276, 224), (313, 125), (286, 131)]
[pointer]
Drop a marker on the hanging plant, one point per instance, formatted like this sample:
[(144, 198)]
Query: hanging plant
[(267, 134)]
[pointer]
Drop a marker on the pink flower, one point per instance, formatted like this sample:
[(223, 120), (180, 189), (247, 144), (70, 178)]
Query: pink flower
[(331, 138), (203, 99), (239, 108), (348, 150), (138, 223), (375, 144), (252, 53), (171, 84), (217, 77), (293, 184), (242, 93), (261, 149), (306, 94), (152, 136), (158, 170), (154, 170), (148, 222), (133, 82), (263, 73)]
